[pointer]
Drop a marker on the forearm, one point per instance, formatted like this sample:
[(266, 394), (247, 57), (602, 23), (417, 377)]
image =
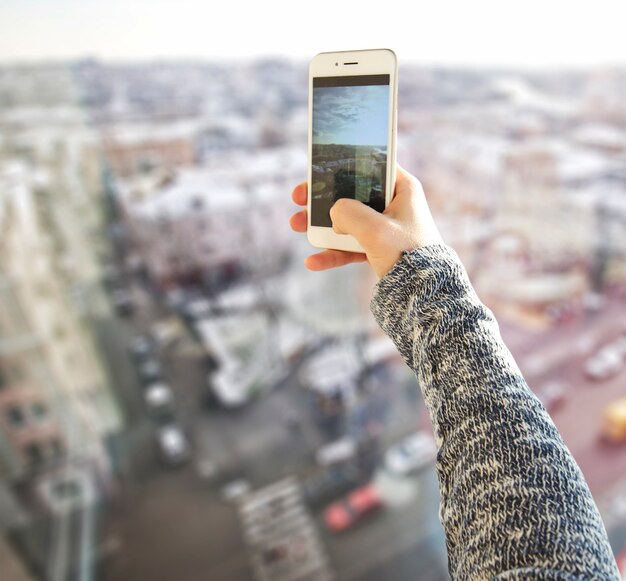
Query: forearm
[(512, 496)]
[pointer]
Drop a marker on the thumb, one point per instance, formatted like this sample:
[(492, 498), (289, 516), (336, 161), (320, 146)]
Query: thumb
[(355, 218)]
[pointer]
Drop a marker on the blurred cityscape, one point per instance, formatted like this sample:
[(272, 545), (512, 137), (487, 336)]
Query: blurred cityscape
[(181, 399)]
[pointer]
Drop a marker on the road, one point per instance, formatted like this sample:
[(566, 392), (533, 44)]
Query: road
[(558, 355), (173, 524), (405, 540)]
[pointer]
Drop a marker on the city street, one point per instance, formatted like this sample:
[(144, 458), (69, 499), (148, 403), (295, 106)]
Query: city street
[(175, 522), (558, 355), (172, 523)]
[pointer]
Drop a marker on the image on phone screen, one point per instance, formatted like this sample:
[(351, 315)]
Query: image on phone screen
[(350, 118)]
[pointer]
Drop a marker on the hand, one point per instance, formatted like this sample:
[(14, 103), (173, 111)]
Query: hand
[(404, 225)]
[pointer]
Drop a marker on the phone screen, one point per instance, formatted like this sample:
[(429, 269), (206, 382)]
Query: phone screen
[(350, 120)]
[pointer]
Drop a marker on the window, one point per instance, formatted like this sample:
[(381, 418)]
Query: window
[(15, 416)]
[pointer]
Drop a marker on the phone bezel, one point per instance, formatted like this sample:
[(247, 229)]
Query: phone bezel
[(349, 63)]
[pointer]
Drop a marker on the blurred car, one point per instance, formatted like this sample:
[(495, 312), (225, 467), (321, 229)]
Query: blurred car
[(195, 308), (614, 422), (328, 484), (159, 400), (621, 563), (150, 370), (122, 301), (166, 333), (411, 454), (552, 395), (593, 302), (342, 450), (346, 513), (112, 276), (605, 363), (140, 348), (235, 490), (66, 491), (174, 298), (173, 445)]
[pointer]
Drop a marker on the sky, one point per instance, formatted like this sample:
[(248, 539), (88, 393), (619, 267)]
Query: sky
[(533, 33), (351, 115)]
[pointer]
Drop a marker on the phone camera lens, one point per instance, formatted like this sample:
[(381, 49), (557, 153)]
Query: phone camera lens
[(336, 64)]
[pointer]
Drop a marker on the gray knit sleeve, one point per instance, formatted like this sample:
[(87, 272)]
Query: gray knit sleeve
[(514, 503)]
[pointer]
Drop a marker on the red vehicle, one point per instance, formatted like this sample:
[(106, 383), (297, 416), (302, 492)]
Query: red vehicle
[(345, 513), (621, 563)]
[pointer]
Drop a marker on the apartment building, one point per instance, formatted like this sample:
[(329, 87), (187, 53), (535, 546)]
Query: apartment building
[(198, 220)]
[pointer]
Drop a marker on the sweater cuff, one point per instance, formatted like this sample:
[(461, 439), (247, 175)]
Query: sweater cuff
[(421, 277)]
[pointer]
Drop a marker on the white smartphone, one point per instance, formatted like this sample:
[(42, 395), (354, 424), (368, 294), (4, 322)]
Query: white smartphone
[(352, 137)]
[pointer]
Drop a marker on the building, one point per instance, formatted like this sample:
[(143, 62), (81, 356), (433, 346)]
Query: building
[(135, 148), (56, 409), (192, 224)]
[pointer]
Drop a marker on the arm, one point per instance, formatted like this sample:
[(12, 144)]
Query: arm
[(514, 504)]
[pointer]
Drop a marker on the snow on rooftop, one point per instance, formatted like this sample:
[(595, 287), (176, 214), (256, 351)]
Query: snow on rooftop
[(484, 152), (136, 133), (523, 94), (190, 188), (222, 184), (572, 162), (580, 164), (44, 116), (599, 134), (611, 196)]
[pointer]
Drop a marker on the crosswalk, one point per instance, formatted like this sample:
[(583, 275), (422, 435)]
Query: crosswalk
[(281, 536)]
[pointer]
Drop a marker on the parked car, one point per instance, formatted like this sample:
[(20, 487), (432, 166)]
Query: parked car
[(195, 309), (355, 507), (173, 445), (411, 454), (606, 363), (150, 370), (621, 563), (166, 333), (67, 491), (122, 301), (159, 400), (140, 348), (614, 422), (328, 484), (342, 450), (236, 490)]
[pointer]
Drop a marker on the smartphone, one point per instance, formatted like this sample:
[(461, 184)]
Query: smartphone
[(352, 137)]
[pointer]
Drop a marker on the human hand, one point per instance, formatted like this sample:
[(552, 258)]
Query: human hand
[(404, 225)]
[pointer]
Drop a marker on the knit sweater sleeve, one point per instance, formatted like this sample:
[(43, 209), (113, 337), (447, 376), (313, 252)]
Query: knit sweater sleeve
[(514, 503)]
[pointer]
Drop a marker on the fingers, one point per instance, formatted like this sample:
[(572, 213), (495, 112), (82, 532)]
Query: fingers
[(408, 193), (355, 218), (332, 259), (299, 222), (406, 183), (299, 194)]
